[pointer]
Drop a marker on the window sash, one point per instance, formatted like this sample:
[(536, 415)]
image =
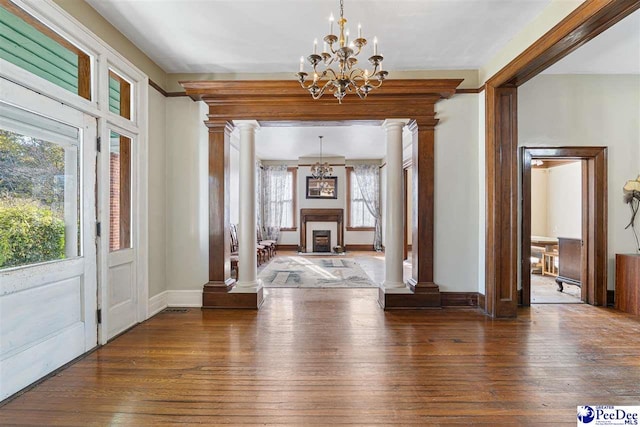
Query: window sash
[(286, 204), (360, 217)]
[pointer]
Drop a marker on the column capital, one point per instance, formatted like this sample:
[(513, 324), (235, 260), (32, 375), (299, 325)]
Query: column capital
[(394, 123), (246, 124), (219, 126)]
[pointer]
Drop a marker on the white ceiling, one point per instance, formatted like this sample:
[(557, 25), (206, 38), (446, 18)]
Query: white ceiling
[(616, 51), (289, 143), (266, 36)]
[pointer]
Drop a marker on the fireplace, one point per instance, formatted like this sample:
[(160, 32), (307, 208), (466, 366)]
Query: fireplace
[(321, 215), (321, 240)]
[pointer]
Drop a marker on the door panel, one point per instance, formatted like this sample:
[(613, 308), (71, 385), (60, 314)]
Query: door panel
[(121, 297), (48, 288)]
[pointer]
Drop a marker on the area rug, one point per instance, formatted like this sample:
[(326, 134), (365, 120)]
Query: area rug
[(311, 272)]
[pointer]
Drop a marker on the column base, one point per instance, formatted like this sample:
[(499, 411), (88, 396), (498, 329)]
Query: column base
[(246, 287), (395, 288), (225, 295), (414, 296)]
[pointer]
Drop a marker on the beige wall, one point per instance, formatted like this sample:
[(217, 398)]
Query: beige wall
[(456, 195), (539, 202), (187, 195), (594, 110), (550, 16), (91, 19), (564, 195), (157, 193), (556, 201)]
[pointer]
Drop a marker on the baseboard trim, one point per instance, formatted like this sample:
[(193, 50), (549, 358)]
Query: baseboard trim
[(481, 301), (157, 303), (459, 299), (191, 298), (359, 248), (215, 296), (287, 247), (423, 296)]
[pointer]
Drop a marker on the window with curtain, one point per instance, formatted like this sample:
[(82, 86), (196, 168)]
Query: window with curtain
[(360, 216), (279, 187), (287, 201)]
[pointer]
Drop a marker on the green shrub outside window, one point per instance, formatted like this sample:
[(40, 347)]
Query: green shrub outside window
[(29, 234)]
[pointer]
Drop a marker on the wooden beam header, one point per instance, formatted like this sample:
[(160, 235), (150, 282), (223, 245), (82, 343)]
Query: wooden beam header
[(279, 101)]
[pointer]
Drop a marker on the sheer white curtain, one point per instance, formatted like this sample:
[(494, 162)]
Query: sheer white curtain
[(276, 198), (368, 178), (259, 196)]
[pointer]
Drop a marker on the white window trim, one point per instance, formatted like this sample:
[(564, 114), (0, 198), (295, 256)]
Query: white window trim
[(103, 57)]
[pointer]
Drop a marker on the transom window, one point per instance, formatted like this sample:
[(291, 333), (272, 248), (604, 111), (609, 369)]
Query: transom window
[(31, 45)]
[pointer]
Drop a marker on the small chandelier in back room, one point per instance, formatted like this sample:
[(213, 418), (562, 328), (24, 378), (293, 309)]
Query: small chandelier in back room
[(342, 54), (321, 169)]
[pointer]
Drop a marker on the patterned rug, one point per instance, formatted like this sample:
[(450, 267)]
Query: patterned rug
[(310, 272)]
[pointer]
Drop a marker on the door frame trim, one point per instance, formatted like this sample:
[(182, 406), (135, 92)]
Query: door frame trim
[(594, 218), (501, 141)]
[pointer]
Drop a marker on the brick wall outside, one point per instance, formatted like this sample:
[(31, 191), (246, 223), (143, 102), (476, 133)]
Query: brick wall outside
[(114, 201)]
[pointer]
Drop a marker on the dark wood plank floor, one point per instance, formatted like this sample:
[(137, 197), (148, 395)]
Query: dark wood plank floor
[(322, 357)]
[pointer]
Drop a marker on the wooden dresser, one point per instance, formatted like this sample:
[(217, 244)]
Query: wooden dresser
[(570, 269), (628, 283)]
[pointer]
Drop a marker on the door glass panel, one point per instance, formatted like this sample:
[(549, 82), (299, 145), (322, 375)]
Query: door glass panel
[(119, 192), (39, 189)]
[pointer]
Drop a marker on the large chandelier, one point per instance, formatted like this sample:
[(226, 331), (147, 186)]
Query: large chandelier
[(341, 53), (321, 169)]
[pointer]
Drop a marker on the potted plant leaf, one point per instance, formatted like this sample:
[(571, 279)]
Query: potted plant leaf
[(632, 197)]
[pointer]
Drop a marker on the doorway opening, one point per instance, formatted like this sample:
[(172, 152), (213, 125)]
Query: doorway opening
[(563, 225), (556, 231)]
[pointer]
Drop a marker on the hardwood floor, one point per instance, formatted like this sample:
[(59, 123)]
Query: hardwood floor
[(331, 356)]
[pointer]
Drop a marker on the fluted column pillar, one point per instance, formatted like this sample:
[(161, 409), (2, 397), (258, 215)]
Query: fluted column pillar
[(247, 268), (394, 236)]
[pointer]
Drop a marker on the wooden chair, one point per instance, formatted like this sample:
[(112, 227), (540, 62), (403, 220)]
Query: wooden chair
[(233, 241), (261, 250), (272, 245), (537, 259)]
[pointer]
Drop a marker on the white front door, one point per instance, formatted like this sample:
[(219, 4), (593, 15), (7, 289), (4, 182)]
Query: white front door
[(48, 277)]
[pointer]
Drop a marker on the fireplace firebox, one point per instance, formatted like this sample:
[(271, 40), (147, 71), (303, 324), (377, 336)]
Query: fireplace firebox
[(321, 240)]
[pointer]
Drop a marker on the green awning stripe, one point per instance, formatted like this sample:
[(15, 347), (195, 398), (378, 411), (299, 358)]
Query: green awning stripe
[(28, 48), (44, 73), (26, 30), (32, 49), (48, 66), (114, 95)]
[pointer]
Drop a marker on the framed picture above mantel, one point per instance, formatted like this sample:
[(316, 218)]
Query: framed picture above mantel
[(322, 188)]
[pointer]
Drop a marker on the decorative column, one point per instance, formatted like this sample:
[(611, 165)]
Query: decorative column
[(247, 266), (218, 292), (394, 282)]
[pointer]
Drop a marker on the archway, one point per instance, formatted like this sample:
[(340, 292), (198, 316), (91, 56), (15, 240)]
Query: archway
[(283, 103)]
